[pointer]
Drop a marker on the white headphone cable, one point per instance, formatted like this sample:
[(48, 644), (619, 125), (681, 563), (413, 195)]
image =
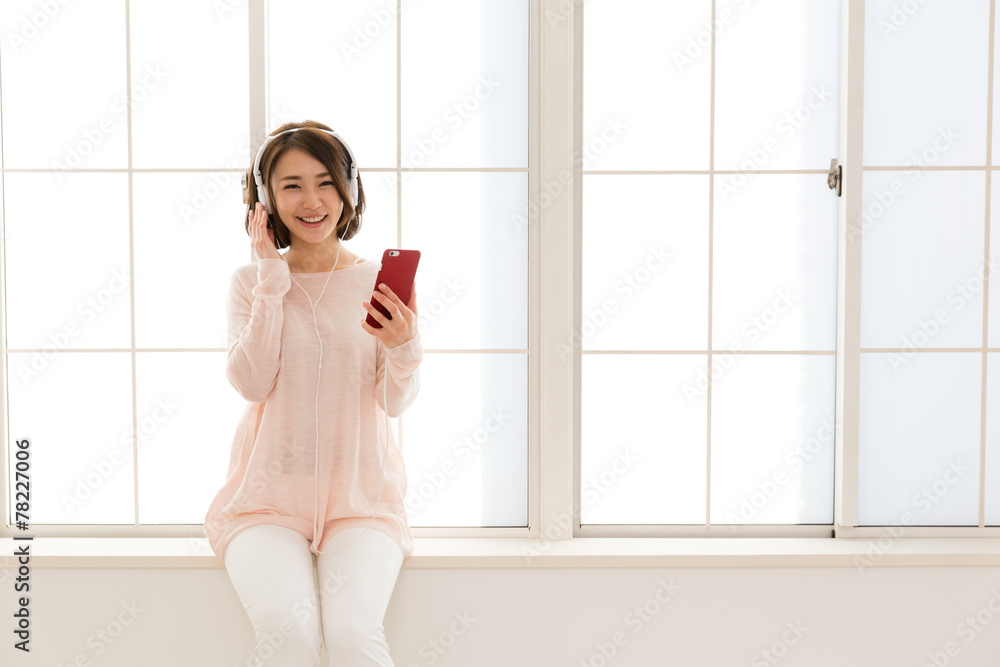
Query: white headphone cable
[(385, 384)]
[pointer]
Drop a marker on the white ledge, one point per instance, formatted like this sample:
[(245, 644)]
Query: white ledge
[(530, 553)]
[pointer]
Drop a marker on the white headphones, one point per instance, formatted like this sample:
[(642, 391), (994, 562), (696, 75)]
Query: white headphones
[(258, 178), (353, 189)]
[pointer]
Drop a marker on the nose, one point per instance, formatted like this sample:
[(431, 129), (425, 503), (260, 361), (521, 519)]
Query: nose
[(310, 198)]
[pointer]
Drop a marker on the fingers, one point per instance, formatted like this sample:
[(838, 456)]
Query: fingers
[(376, 314), (385, 294), (388, 293), (256, 227), (256, 216), (257, 223), (388, 305), (390, 302)]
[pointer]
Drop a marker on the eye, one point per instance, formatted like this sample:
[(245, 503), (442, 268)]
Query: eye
[(327, 183), (290, 185)]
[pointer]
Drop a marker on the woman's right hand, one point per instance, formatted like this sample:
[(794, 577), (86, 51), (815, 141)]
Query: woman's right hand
[(262, 238)]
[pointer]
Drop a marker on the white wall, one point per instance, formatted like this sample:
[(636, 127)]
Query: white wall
[(882, 617)]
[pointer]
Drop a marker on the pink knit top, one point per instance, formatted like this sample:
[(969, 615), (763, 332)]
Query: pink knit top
[(272, 362)]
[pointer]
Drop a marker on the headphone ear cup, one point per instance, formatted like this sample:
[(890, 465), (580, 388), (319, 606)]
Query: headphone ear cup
[(262, 196)]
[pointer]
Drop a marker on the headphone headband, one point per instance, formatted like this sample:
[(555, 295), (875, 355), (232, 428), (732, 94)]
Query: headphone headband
[(259, 178)]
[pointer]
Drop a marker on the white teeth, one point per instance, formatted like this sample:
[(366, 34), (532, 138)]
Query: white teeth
[(314, 219)]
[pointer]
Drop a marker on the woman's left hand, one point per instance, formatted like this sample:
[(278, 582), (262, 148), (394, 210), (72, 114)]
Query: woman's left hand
[(402, 327)]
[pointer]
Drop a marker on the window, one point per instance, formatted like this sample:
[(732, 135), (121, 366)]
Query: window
[(438, 92), (743, 122), (709, 263), (928, 439), (133, 350), (644, 311), (121, 188)]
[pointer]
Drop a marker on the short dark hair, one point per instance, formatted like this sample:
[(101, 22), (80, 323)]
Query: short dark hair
[(334, 157)]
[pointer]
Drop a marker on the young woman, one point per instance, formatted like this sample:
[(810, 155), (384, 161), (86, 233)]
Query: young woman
[(315, 477)]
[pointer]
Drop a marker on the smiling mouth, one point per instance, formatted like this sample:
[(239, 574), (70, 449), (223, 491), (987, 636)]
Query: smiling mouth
[(313, 220)]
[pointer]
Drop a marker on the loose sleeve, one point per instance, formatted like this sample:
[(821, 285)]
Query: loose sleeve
[(404, 377), (254, 330)]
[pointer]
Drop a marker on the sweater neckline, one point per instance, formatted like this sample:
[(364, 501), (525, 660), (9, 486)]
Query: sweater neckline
[(326, 273)]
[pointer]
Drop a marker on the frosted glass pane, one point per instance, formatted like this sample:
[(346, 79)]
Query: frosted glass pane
[(354, 90), (63, 74), (993, 439), (773, 440), (919, 440), (378, 224), (775, 264), (646, 84), (465, 83), (189, 238), (785, 56), (465, 442), (642, 445), (78, 416), (209, 75), (53, 232), (472, 281), (645, 264), (926, 83), (993, 335), (187, 416), (996, 86), (922, 259)]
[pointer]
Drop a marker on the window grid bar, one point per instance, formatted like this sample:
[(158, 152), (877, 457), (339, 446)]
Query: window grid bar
[(986, 277), (533, 397), (701, 172), (131, 260), (209, 170), (576, 315), (667, 172), (928, 167), (716, 530), (722, 351), (557, 230), (887, 350), (711, 274), (787, 530), (705, 172), (399, 124), (195, 531), (852, 52), (399, 164)]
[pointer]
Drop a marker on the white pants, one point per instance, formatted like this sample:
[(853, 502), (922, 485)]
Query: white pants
[(271, 568)]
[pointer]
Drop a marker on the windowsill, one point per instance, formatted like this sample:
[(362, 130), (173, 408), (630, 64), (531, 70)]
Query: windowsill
[(588, 552)]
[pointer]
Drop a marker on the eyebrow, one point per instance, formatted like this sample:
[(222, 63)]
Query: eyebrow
[(325, 174)]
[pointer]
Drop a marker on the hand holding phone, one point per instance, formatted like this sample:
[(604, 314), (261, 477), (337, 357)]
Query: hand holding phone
[(399, 268)]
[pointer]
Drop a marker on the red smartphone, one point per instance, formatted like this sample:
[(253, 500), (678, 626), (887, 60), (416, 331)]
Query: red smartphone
[(399, 268)]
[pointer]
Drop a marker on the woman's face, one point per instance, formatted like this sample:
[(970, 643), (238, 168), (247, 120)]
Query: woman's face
[(305, 197)]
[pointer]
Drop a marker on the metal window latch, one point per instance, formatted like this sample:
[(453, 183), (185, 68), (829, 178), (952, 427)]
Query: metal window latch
[(835, 177)]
